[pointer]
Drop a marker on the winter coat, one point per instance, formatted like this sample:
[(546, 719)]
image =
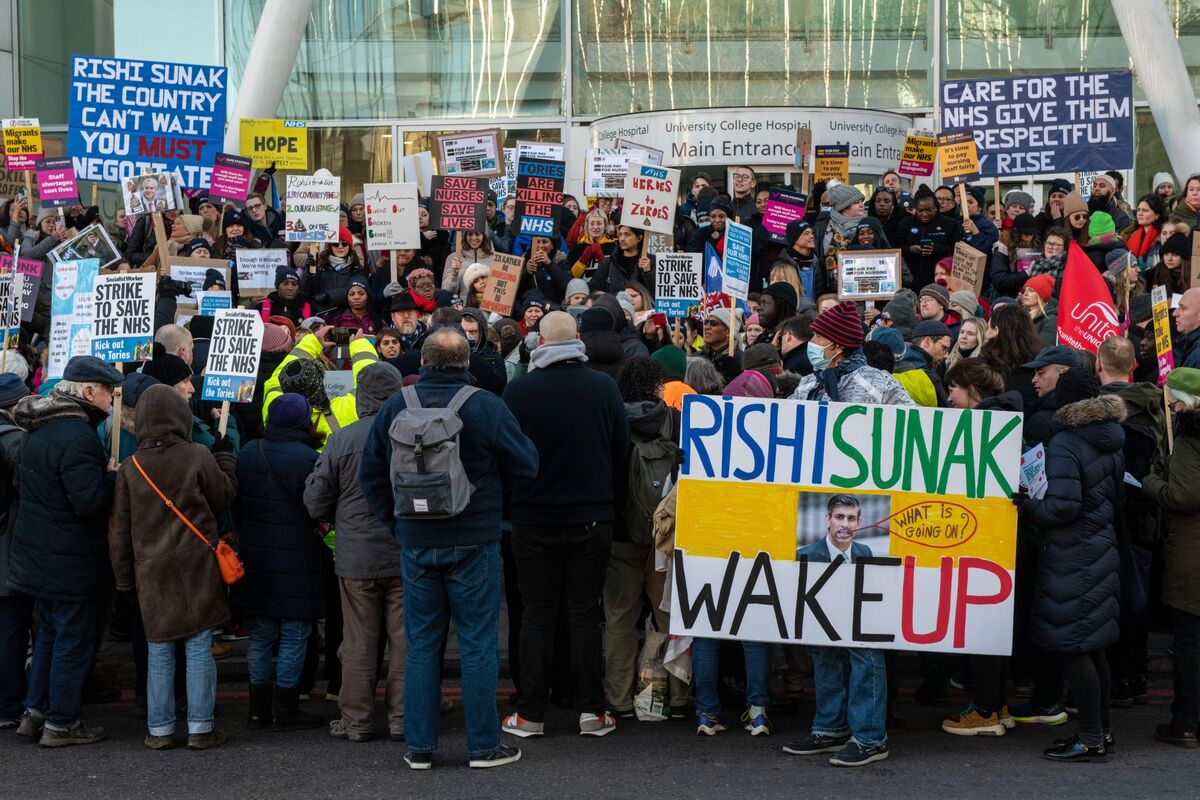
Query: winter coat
[(942, 232), (297, 309), (1006, 279), (862, 385), (453, 282), (326, 288), (1075, 606), (1175, 493), (1047, 323), (178, 582), (631, 338), (10, 447), (917, 360), (278, 542), (604, 351), (59, 545), (1187, 349), (618, 271), (366, 548), (487, 351)]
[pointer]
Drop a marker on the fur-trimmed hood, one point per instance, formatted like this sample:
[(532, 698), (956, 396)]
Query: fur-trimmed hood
[(1105, 408)]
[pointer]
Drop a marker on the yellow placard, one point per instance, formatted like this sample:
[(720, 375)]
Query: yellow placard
[(281, 142), (960, 160), (919, 154), (22, 143), (832, 161)]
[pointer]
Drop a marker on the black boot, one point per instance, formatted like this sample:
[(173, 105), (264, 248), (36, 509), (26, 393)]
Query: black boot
[(288, 716), (259, 714)]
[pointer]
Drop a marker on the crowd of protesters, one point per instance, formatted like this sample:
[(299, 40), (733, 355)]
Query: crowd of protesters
[(568, 423)]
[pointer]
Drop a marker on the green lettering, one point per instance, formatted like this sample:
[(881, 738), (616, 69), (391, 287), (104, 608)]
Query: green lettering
[(987, 458), (923, 445), (840, 443), (960, 451), (877, 450)]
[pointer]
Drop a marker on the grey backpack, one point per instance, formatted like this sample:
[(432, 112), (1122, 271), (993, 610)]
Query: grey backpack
[(428, 479)]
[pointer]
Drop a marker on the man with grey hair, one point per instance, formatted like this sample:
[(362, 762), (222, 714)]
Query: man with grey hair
[(59, 551), (451, 566), (563, 520), (176, 340)]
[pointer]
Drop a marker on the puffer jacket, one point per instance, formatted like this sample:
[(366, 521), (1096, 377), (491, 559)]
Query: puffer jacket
[(11, 437), (278, 545), (59, 545), (1075, 606), (178, 583), (1174, 491)]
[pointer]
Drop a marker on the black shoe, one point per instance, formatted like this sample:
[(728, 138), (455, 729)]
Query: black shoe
[(497, 758), (1074, 750), (1110, 743), (259, 714), (856, 754), (1128, 692), (1178, 736), (1069, 704), (288, 716), (100, 695), (816, 743), (419, 760)]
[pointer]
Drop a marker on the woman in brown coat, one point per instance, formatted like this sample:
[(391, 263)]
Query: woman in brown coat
[(175, 575)]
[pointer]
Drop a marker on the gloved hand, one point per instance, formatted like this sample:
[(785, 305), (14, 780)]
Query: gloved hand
[(1020, 497), (392, 289), (223, 444)]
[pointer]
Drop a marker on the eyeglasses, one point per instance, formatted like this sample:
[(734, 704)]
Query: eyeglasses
[(712, 323), (341, 244), (742, 176)]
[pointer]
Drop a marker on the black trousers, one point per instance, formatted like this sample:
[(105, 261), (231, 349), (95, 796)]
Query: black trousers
[(1185, 706), (1090, 681), (991, 683), (561, 565)]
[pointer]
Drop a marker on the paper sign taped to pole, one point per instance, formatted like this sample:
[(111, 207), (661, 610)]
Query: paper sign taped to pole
[(678, 283), (650, 197), (391, 219), (123, 330), (735, 265), (919, 154), (233, 355), (311, 208), (71, 313)]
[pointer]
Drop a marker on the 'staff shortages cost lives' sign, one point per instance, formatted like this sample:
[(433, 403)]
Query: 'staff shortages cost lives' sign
[(130, 116)]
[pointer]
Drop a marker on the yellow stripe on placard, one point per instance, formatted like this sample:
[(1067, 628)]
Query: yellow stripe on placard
[(716, 518)]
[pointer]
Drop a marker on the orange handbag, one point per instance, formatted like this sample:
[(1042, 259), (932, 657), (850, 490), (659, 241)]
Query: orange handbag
[(230, 565)]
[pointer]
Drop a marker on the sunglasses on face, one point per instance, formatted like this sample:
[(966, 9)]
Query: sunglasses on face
[(341, 244)]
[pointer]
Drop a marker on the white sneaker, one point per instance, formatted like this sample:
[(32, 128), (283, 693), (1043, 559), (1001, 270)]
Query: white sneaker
[(592, 725), (517, 725)]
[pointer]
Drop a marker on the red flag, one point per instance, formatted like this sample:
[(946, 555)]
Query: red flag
[(1086, 314)]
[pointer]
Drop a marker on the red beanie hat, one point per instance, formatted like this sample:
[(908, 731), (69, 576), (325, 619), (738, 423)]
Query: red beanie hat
[(1043, 285), (344, 234), (840, 325)]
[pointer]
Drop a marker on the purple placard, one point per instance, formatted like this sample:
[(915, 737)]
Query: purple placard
[(230, 178), (56, 182), (31, 271), (782, 207)]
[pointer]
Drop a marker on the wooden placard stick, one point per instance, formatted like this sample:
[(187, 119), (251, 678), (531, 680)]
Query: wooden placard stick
[(224, 423)]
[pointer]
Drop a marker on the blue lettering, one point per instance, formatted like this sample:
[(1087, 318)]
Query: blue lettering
[(755, 451), (795, 441), (693, 437)]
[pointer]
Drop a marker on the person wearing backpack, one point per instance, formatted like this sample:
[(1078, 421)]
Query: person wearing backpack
[(434, 468), (563, 520), (653, 465), (16, 610)]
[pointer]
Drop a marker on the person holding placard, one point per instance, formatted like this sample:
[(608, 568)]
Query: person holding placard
[(234, 236), (14, 220), (477, 249), (1187, 322), (593, 246), (327, 277), (929, 238), (545, 270)]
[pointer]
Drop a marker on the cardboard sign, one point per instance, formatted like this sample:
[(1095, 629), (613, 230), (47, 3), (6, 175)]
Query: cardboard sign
[(956, 149), (967, 268), (735, 265), (210, 302), (22, 144), (56, 183), (194, 271), (233, 355), (91, 242), (868, 274), (154, 191), (1039, 124), (1161, 311), (282, 142), (500, 291), (547, 151), (604, 173), (31, 274), (256, 270), (678, 282), (783, 206), (919, 154), (127, 116), (70, 313), (650, 197), (832, 162), (640, 152), (311, 208), (123, 330), (391, 219), (419, 169), (230, 179), (1195, 259), (477, 154), (925, 490), (458, 203), (539, 192)]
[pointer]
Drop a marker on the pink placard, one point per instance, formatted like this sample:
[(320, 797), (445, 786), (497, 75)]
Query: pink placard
[(56, 183), (230, 178)]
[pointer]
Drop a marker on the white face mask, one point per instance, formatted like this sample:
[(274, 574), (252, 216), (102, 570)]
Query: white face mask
[(817, 357)]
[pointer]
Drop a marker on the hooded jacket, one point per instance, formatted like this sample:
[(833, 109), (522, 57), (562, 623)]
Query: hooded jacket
[(11, 437), (1174, 490), (176, 576), (59, 545), (366, 548), (916, 359), (631, 338), (485, 350), (1075, 606)]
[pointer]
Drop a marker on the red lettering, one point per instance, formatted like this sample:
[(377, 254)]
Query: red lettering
[(965, 565), (943, 610)]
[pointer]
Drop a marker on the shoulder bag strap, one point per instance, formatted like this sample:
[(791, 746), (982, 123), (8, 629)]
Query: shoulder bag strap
[(460, 398), (411, 398), (169, 504)]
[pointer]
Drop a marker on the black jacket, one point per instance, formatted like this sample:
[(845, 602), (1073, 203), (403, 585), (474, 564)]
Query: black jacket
[(942, 232), (604, 351), (618, 271), (60, 536), (10, 447), (278, 542), (1075, 605)]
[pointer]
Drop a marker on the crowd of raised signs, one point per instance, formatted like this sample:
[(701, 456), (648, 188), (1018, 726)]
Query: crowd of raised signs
[(585, 378)]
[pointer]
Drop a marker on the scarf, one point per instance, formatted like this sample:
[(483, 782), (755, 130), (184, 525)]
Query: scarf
[(1142, 240), (830, 379), (1054, 265), (556, 353), (844, 225), (427, 305), (336, 262)]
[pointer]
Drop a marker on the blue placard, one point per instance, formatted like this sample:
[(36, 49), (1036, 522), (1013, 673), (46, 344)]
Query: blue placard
[(128, 116), (1040, 124), (739, 239), (539, 193)]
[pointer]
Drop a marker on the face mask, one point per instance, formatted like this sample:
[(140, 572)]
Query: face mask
[(816, 357)]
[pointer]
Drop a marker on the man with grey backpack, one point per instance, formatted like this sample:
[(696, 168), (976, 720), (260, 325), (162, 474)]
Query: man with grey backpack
[(434, 467)]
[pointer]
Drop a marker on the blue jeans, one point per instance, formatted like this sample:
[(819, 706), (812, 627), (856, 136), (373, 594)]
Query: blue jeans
[(62, 656), (443, 584), (851, 687), (704, 671), (201, 685), (292, 637), (16, 620)]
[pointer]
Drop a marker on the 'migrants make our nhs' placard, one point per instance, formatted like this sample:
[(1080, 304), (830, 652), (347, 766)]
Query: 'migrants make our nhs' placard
[(917, 498)]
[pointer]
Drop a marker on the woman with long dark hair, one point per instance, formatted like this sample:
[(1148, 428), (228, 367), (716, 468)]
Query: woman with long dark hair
[(1011, 341)]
